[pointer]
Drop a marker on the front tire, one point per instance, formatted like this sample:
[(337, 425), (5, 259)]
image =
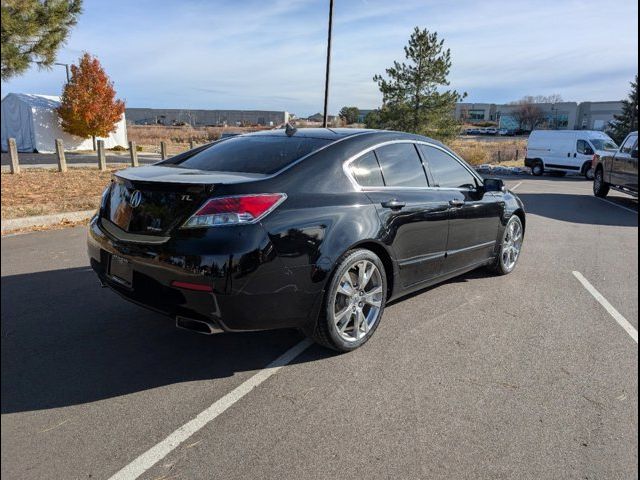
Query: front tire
[(600, 187), (354, 302), (510, 248), (587, 171)]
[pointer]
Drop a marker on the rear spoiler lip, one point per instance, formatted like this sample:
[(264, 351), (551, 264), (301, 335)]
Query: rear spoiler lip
[(172, 174)]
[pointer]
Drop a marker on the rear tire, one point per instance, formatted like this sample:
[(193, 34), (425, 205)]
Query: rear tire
[(351, 312), (600, 187), (537, 169)]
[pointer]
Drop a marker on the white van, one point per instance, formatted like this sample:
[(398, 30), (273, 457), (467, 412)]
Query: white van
[(566, 151)]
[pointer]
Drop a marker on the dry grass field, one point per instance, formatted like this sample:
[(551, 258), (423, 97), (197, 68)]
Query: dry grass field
[(42, 192), (504, 152), (177, 138)]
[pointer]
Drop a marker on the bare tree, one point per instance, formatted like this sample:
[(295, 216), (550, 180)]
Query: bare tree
[(527, 114), (553, 98)]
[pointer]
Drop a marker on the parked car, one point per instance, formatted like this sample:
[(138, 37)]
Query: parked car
[(313, 228), (506, 132), (617, 170), (491, 131), (566, 151)]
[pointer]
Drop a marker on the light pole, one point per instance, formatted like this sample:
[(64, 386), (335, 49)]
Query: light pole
[(65, 65), (66, 68), (326, 80)]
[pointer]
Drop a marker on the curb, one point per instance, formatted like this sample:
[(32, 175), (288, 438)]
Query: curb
[(45, 220)]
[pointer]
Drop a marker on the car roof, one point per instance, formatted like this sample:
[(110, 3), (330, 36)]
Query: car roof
[(343, 133), (320, 133)]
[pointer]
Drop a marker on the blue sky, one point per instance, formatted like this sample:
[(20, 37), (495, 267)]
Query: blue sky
[(271, 54)]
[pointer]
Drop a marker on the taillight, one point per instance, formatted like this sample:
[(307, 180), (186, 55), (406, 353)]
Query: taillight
[(235, 210), (594, 160)]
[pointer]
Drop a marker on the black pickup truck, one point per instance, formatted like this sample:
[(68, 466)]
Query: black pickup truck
[(618, 170)]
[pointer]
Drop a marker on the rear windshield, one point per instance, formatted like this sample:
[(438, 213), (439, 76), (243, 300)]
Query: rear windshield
[(253, 154)]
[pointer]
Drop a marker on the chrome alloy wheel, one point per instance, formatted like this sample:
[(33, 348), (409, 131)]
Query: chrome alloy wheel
[(511, 244), (590, 173), (357, 301)]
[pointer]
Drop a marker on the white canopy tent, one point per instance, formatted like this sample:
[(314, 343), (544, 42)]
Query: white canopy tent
[(33, 121)]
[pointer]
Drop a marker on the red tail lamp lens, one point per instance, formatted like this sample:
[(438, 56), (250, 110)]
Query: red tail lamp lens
[(234, 210)]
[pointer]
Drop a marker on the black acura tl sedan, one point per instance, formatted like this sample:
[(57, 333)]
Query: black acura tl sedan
[(315, 229)]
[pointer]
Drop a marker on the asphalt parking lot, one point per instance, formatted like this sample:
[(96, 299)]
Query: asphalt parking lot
[(521, 376)]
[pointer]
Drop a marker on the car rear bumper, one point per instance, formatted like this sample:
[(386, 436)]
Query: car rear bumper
[(244, 290)]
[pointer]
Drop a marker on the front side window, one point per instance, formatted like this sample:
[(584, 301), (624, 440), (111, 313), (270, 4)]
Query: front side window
[(604, 144), (446, 170), (401, 166), (628, 144), (366, 171), (584, 148), (253, 154)]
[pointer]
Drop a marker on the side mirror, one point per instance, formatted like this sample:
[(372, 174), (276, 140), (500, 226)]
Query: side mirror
[(493, 185)]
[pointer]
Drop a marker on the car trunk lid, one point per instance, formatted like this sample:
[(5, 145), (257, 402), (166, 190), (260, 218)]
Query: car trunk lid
[(153, 200)]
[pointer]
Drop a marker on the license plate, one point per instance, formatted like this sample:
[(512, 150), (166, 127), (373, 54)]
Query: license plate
[(120, 270)]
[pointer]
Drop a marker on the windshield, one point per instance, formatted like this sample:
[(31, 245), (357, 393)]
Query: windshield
[(603, 144), (253, 154)]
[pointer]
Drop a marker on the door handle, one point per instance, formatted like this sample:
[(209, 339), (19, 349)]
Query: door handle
[(456, 203), (393, 204)]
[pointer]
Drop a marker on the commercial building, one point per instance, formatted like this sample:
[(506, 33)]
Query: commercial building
[(561, 115), (597, 115), (200, 118)]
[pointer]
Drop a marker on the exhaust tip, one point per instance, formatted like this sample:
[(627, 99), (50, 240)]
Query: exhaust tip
[(198, 326)]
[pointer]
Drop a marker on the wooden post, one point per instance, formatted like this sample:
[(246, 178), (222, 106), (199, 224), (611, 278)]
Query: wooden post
[(13, 154), (102, 160), (163, 150), (499, 159), (133, 153), (62, 161), (517, 152), (191, 144)]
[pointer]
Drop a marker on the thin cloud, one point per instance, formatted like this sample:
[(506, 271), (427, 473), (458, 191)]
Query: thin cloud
[(271, 55)]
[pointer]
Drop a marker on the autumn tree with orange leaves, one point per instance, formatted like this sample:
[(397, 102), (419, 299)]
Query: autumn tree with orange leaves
[(88, 107)]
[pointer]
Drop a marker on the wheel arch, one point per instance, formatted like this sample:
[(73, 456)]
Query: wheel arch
[(523, 218), (383, 253)]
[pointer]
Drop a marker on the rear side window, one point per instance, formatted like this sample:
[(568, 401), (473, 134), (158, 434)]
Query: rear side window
[(401, 166), (367, 171), (627, 146), (253, 154), (447, 171)]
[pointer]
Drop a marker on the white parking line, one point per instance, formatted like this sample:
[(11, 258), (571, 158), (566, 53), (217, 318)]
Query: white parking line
[(619, 206), (516, 186), (623, 322), (152, 456)]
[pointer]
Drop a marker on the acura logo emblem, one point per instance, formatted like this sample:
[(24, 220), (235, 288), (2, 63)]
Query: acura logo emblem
[(135, 199)]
